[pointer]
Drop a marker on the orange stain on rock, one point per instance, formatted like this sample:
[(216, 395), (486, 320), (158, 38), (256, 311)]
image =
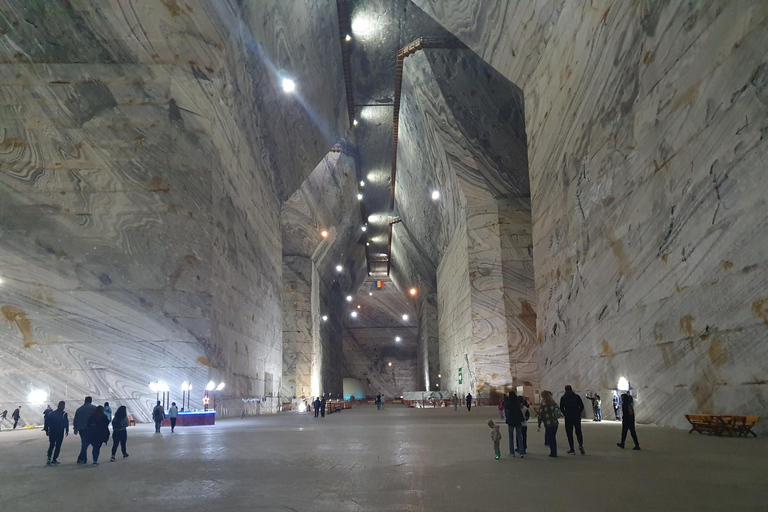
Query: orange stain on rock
[(203, 361), (727, 265), (14, 315), (158, 185), (760, 310), (686, 325), (528, 316), (607, 351)]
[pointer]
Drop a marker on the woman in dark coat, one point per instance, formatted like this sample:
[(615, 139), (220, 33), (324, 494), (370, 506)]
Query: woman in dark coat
[(119, 431), (515, 420), (98, 431)]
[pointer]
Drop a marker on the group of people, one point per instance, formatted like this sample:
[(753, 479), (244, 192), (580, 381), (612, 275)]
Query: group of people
[(515, 409), (467, 400), (381, 401), (319, 406), (15, 416)]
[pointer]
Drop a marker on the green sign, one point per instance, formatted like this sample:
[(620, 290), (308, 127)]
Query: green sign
[(461, 377)]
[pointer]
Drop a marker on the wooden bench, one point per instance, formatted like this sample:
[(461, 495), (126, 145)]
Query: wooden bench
[(719, 424)]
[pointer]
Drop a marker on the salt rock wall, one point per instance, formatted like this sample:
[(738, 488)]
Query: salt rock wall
[(140, 205), (647, 140)]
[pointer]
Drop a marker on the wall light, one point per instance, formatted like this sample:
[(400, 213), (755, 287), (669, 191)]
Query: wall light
[(185, 386), (364, 228), (324, 233), (359, 197), (348, 38), (367, 244), (362, 183), (435, 195), (354, 122), (339, 268), (439, 376), (398, 339), (325, 318), (623, 384), (37, 396), (220, 387), (389, 363), (405, 317), (413, 291), (370, 293), (288, 85), (349, 298), (353, 314), (359, 306)]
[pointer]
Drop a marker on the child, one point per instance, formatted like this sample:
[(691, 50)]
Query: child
[(495, 437)]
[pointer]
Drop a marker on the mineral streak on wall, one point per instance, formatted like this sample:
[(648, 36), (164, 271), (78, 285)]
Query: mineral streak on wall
[(647, 142), (461, 133), (141, 176)]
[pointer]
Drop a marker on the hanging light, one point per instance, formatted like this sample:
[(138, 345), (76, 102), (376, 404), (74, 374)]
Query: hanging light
[(362, 183), (153, 386), (359, 306), (349, 298), (339, 268), (364, 228), (210, 386), (288, 85), (220, 387), (354, 122), (405, 317), (439, 376), (325, 318), (435, 195), (398, 339), (324, 233), (370, 293), (354, 314), (413, 291), (389, 363), (348, 38), (359, 197)]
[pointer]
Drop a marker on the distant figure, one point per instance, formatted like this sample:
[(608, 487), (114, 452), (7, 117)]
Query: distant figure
[(3, 416), (526, 416), (108, 411), (16, 416), (496, 438), (548, 415), (383, 400), (515, 420), (598, 408), (158, 413), (572, 407), (322, 406), (316, 404), (469, 401), (501, 408), (455, 402), (98, 432), (56, 427), (119, 431), (616, 406), (628, 420), (378, 402), (46, 412), (173, 413), (80, 427)]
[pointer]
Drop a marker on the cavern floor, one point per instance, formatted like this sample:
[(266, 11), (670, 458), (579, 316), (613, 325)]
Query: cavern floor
[(396, 459)]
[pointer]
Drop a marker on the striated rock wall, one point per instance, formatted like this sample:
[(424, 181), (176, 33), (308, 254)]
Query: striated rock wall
[(647, 140)]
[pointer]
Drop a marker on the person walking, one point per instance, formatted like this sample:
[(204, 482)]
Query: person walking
[(526, 416), (80, 427), (3, 417), (616, 406), (502, 406), (322, 406), (572, 407), (173, 413), (16, 416), (455, 402), (119, 432), (158, 413), (469, 401), (108, 411), (316, 405), (496, 438), (548, 415), (56, 427), (46, 412), (628, 420), (515, 421), (98, 432), (378, 402)]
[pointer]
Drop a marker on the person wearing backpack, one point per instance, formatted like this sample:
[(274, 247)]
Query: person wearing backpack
[(548, 414), (628, 420), (56, 427), (515, 420)]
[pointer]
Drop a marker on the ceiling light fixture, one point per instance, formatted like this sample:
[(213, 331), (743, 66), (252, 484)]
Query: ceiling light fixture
[(288, 85), (413, 291), (359, 306), (354, 314), (405, 317), (389, 363), (370, 293), (339, 268), (398, 339), (362, 183), (359, 197), (324, 233), (325, 318), (349, 298), (364, 229), (435, 195)]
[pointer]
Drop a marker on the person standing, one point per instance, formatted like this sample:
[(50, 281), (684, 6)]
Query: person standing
[(173, 413), (80, 427), (16, 416), (158, 413), (526, 417), (593, 399), (469, 401), (322, 406), (515, 421), (598, 409), (98, 432), (119, 431), (548, 415), (108, 411), (572, 407), (383, 400), (455, 402), (378, 402), (56, 427), (616, 406), (496, 438), (502, 405), (316, 405), (628, 420)]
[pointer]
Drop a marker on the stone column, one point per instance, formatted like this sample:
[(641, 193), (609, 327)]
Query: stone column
[(299, 334)]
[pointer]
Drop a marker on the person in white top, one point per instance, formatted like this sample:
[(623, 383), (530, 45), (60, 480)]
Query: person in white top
[(383, 400), (173, 413)]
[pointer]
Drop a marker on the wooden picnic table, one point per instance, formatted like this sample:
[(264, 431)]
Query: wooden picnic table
[(719, 424)]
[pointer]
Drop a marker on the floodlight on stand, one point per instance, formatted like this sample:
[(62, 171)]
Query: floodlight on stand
[(185, 386), (288, 85), (210, 386), (435, 195), (153, 386), (220, 387)]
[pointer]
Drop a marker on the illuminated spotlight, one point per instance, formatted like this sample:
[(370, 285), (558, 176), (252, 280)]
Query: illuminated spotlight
[(359, 197), (288, 85), (389, 363), (364, 228), (368, 244), (439, 376), (362, 183), (437, 385), (339, 268), (398, 339), (353, 314), (370, 293), (623, 385), (435, 195), (413, 291), (369, 273), (362, 25), (37, 396), (354, 122), (405, 317), (349, 298), (220, 387), (348, 38), (210, 386), (324, 233), (1, 281), (359, 306), (325, 318)]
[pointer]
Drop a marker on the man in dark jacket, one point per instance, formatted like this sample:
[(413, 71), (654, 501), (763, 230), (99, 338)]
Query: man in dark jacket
[(56, 427), (158, 414), (80, 427), (469, 401), (322, 406), (515, 419), (572, 406), (16, 416)]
